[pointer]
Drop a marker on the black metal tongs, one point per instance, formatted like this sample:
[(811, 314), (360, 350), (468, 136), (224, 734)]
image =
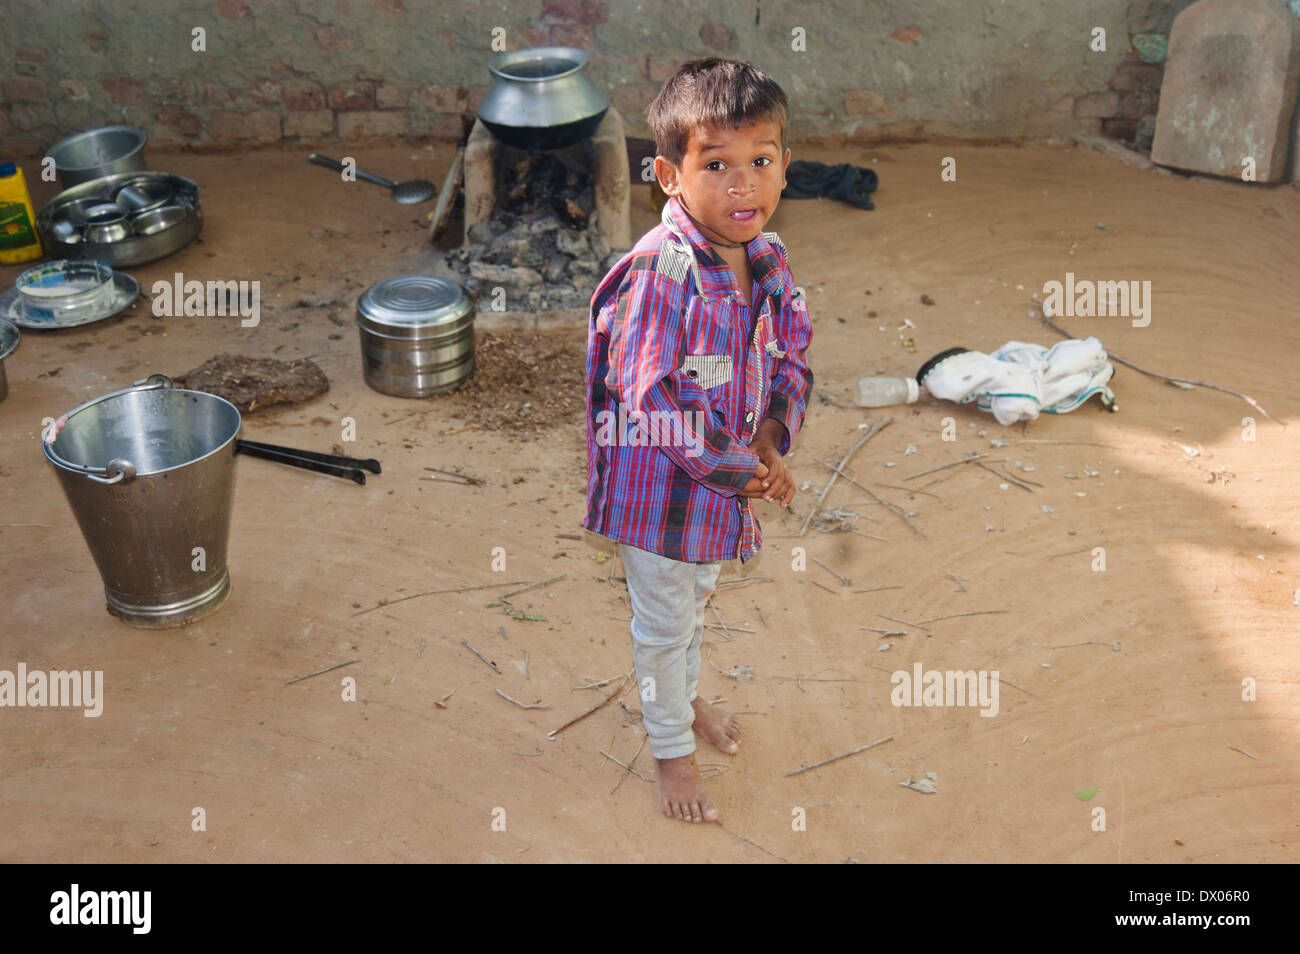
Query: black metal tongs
[(335, 465)]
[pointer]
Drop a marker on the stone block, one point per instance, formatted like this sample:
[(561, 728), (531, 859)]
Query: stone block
[(1229, 89), (481, 151), (612, 186)]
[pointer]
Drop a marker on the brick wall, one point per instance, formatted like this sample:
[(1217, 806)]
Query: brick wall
[(296, 71)]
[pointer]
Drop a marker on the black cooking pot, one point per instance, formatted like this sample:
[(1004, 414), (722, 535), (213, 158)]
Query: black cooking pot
[(541, 98)]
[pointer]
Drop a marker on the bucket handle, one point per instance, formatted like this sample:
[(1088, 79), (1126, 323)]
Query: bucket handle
[(117, 470)]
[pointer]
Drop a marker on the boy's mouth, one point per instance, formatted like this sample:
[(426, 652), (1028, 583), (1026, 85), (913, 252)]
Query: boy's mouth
[(743, 216)]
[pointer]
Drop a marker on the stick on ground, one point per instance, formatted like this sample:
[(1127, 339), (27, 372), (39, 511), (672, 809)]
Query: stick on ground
[(320, 671), (836, 758), (630, 763), (415, 596), (964, 460), (838, 470), (533, 586), (522, 705), (600, 705), (481, 656), (1164, 377)]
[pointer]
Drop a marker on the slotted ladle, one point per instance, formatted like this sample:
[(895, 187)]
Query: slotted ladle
[(409, 192)]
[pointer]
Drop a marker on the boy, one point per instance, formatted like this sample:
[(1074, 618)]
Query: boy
[(696, 386)]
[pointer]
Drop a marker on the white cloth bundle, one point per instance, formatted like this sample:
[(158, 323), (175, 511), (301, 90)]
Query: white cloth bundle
[(1019, 380)]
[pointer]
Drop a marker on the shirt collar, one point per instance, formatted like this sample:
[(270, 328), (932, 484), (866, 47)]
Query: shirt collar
[(763, 258)]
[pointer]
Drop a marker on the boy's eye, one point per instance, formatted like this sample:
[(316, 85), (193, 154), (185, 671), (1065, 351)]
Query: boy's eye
[(717, 164)]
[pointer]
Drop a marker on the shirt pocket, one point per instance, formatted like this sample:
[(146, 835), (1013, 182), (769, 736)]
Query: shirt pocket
[(708, 370)]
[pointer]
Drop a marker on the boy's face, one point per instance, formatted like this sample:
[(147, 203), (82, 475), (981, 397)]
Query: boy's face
[(729, 180)]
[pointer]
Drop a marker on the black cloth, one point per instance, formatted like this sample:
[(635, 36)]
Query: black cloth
[(852, 184)]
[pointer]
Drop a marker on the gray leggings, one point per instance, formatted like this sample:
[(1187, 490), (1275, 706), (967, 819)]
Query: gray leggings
[(668, 600)]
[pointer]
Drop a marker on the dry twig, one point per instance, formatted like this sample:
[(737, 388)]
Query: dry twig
[(836, 758), (872, 432), (1184, 382), (522, 705), (604, 702), (481, 656), (320, 671)]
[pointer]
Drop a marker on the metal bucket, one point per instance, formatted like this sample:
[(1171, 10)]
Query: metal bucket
[(417, 335), (150, 475)]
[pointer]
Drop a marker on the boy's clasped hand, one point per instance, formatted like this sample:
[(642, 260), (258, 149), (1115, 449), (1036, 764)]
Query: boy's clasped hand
[(772, 479)]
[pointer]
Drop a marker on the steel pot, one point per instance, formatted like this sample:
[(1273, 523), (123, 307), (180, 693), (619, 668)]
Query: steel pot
[(542, 99), (98, 152)]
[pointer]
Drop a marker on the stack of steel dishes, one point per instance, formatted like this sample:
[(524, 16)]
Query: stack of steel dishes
[(65, 294), (98, 152), (125, 219), (417, 335)]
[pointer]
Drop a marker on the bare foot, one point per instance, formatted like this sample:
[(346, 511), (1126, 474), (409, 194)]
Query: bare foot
[(681, 791), (717, 725)]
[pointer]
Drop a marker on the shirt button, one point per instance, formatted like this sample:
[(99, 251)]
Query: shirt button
[(749, 418)]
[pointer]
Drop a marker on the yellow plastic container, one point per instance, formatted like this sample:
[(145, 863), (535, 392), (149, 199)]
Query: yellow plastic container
[(18, 239)]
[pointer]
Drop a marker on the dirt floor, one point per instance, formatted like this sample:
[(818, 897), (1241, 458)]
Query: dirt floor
[(1200, 530)]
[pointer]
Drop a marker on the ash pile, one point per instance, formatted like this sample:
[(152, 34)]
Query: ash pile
[(541, 246)]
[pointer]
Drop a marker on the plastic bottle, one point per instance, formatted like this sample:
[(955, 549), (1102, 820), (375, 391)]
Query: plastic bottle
[(883, 392), (18, 239)]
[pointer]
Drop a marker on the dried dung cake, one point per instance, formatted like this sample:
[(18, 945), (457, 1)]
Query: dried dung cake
[(252, 384)]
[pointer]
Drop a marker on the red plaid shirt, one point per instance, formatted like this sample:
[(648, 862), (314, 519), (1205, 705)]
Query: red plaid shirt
[(672, 339)]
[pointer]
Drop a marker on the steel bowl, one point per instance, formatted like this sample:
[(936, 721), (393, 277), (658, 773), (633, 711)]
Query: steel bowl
[(76, 211), (104, 213), (114, 231), (137, 249), (98, 152), (156, 220), (65, 231), (542, 99), (143, 193)]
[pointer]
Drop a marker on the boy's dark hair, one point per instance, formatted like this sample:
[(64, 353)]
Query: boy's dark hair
[(713, 92)]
